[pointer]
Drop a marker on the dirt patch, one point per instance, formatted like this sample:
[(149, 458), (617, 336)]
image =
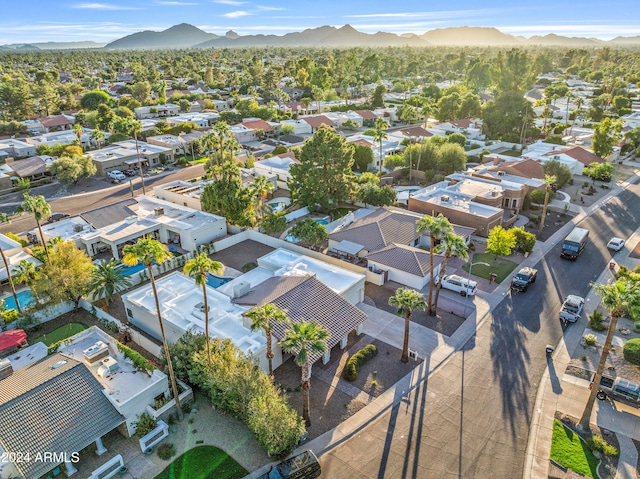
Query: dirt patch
[(242, 253), (552, 224)]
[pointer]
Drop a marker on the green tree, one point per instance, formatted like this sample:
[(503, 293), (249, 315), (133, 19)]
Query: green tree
[(107, 279), (258, 191), (264, 317), (97, 136), (226, 196), (525, 241), (548, 182), (40, 209), (437, 227), (91, 100), (105, 118), (310, 232), (450, 245), (616, 297), (147, 250), (198, 268), (362, 157), (274, 223), (4, 218), (140, 91), (26, 272), (305, 339), (323, 177), (391, 162), (377, 97), (407, 301), (605, 135), (375, 195), (560, 172), (500, 242), (69, 169), (379, 134), (599, 171), (451, 158), (185, 105)]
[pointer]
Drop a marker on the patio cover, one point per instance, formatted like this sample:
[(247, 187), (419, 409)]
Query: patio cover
[(348, 247), (12, 339)]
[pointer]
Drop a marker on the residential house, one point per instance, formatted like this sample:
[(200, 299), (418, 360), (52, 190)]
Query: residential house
[(301, 127), (277, 166), (368, 117), (260, 127), (391, 145), (525, 168), (64, 137), (16, 148), (33, 168), (317, 121), (14, 254), (574, 157), (177, 143), (124, 154), (203, 119), (56, 123), (157, 111)]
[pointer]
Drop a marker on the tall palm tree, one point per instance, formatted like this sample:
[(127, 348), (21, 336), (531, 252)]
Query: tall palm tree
[(451, 245), (548, 181), (379, 134), (98, 136), (263, 317), (198, 268), (147, 250), (78, 130), (4, 218), (260, 188), (616, 297), (26, 272), (304, 339), (437, 227), (579, 103), (135, 127), (39, 208), (109, 278), (406, 301)]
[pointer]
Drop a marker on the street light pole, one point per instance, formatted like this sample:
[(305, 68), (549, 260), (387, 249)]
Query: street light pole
[(468, 280)]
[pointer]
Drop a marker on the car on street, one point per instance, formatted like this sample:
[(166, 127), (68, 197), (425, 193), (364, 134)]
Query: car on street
[(615, 244), (459, 284), (523, 278), (57, 217), (302, 466), (116, 175), (571, 309), (130, 172)]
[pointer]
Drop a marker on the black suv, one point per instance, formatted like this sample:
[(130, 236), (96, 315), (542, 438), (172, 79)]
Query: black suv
[(57, 217), (302, 466), (524, 277)]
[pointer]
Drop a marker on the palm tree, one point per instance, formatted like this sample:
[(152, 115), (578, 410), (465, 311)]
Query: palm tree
[(4, 218), (263, 317), (147, 250), (260, 188), (305, 339), (198, 268), (38, 206), (616, 297), (379, 134), (78, 130), (406, 300), (26, 272), (579, 103), (98, 136), (451, 245), (135, 127), (108, 279), (437, 227), (548, 181)]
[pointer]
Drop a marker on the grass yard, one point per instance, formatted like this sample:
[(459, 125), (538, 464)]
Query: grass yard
[(203, 462), (514, 153), (501, 266), (340, 212), (570, 451), (63, 332)]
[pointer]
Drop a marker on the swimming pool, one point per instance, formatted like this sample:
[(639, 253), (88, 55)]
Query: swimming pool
[(322, 222), (25, 297), (291, 239), (216, 281), (131, 270)]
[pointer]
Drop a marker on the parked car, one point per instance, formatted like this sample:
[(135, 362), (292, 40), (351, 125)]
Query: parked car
[(57, 217), (302, 466), (615, 244), (459, 284), (524, 277), (130, 172), (571, 309), (116, 175)]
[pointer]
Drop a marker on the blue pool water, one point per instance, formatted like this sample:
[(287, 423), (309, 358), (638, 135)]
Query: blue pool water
[(322, 222), (216, 281), (25, 297), (291, 239), (131, 270)]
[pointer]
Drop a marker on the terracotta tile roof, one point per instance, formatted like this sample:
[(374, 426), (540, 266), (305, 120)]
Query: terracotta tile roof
[(31, 166), (417, 131), (578, 153), (361, 142), (59, 409), (288, 154), (317, 121), (405, 258), (366, 114), (57, 120), (465, 123), (305, 297), (525, 168), (258, 125)]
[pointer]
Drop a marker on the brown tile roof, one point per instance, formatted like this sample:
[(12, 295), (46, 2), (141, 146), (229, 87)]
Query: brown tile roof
[(361, 142), (578, 153), (109, 214), (317, 121), (417, 131), (305, 297), (258, 125), (57, 120), (405, 258), (59, 409), (366, 114), (288, 154), (525, 168), (465, 123), (34, 165)]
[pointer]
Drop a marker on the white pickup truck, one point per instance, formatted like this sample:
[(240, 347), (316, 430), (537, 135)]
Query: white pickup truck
[(620, 389), (571, 309)]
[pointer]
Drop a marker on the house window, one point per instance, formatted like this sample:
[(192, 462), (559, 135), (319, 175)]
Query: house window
[(155, 160), (514, 204), (129, 313)]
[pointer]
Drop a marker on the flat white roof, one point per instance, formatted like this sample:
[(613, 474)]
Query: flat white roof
[(66, 228), (28, 355), (460, 202)]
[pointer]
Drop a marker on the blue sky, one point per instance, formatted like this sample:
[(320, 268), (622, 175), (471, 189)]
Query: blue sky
[(103, 21)]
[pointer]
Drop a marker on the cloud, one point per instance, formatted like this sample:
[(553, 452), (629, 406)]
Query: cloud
[(103, 6), (168, 3), (236, 14), (454, 14), (235, 3), (269, 9)]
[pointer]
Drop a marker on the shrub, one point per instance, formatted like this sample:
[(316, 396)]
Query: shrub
[(590, 339), (9, 315), (595, 321), (631, 351), (166, 451), (537, 196), (139, 361), (145, 424), (249, 266), (596, 443), (350, 372), (17, 238)]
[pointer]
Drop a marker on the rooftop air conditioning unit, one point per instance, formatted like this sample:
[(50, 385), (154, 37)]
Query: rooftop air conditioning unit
[(159, 211), (445, 198), (200, 307), (96, 352), (77, 228), (502, 173), (108, 367), (6, 369), (241, 289)]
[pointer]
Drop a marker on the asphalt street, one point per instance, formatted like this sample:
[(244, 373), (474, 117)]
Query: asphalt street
[(471, 417)]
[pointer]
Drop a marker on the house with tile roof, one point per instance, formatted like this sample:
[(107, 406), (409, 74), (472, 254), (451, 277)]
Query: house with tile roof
[(525, 168), (277, 166), (405, 264), (56, 123), (317, 121), (573, 157)]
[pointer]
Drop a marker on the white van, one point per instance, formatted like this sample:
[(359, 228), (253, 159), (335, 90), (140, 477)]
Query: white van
[(459, 284)]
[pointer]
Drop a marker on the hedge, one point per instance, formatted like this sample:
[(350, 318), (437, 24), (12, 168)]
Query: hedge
[(139, 361), (631, 351), (350, 372)]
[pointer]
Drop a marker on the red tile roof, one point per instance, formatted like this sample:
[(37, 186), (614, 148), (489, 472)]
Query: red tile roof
[(524, 168), (361, 142), (577, 153), (258, 125), (57, 120), (417, 131), (317, 121), (366, 114)]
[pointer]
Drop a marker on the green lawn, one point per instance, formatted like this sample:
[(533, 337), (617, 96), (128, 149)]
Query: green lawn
[(203, 462), (63, 332), (568, 450), (501, 266), (514, 153), (340, 212)]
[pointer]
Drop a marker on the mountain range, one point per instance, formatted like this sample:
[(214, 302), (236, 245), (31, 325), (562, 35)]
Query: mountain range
[(188, 36)]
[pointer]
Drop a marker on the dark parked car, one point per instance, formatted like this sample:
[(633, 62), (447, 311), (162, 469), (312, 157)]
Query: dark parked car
[(302, 466), (57, 217), (130, 172), (524, 277)]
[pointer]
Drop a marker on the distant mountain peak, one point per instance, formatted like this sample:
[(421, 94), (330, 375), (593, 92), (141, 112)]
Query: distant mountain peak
[(232, 35)]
